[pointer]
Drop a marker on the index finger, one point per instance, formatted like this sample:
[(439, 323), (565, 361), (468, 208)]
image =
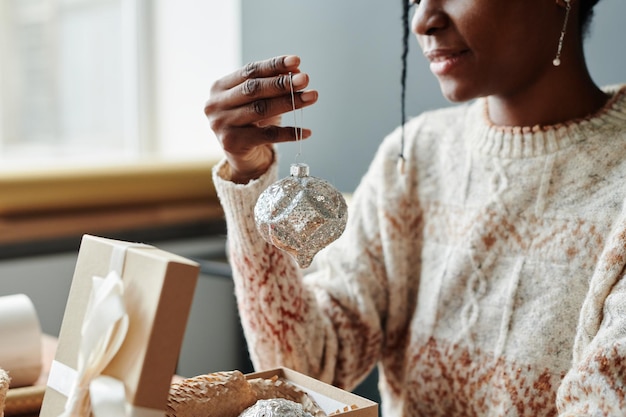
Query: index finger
[(260, 69)]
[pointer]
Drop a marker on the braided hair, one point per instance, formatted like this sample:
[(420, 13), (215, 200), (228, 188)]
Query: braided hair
[(405, 53)]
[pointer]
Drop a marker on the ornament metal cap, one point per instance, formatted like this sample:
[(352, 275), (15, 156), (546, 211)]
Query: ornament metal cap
[(299, 170), (301, 214)]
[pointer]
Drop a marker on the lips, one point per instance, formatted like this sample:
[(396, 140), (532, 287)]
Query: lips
[(445, 60)]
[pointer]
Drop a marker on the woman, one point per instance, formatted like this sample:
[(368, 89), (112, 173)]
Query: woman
[(484, 277)]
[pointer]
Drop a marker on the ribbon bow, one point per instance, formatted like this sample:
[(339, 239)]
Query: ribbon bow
[(103, 331)]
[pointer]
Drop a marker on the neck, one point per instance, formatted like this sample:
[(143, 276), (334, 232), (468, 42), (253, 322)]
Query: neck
[(567, 94)]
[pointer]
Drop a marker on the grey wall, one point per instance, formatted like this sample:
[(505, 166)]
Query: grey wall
[(605, 47), (351, 49)]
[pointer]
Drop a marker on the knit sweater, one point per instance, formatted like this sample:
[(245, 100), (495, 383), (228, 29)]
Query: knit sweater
[(484, 279)]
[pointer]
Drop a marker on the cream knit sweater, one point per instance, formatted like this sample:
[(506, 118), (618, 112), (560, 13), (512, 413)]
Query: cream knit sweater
[(485, 281)]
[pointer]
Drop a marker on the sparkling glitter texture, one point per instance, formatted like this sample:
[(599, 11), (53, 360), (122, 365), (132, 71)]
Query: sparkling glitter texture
[(301, 214)]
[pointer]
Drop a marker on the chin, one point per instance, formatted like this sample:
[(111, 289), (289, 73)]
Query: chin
[(457, 93)]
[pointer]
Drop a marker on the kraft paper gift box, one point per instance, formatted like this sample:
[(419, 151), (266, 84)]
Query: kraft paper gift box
[(334, 401), (122, 331)]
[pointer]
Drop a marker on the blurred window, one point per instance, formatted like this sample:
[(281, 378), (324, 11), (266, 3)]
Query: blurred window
[(94, 81)]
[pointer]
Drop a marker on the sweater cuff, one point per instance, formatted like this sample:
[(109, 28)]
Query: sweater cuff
[(238, 201), (227, 189)]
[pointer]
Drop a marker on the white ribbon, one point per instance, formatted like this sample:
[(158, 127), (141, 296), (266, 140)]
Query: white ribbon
[(103, 331), (65, 377)]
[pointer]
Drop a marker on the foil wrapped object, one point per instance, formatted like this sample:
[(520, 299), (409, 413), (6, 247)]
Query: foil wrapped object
[(275, 407), (301, 214)]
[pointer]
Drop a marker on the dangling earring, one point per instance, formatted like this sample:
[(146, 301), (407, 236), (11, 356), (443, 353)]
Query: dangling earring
[(557, 60)]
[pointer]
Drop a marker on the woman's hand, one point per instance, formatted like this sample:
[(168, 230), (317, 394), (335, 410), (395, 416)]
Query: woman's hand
[(245, 108)]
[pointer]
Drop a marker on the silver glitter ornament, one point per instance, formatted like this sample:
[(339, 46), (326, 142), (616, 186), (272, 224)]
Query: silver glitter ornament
[(301, 214)]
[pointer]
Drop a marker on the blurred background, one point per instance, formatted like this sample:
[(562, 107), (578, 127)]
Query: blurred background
[(102, 128), (103, 81)]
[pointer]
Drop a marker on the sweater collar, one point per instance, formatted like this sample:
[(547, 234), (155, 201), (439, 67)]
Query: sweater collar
[(532, 141)]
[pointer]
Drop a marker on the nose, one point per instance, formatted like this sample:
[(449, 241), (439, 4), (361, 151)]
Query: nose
[(429, 18)]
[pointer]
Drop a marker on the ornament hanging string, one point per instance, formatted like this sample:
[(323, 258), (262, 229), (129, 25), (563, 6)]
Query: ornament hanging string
[(297, 131)]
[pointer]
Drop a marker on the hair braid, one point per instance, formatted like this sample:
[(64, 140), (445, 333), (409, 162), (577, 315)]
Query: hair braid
[(405, 53)]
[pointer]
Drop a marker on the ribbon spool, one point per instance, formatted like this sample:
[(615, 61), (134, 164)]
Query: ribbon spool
[(20, 332), (301, 214)]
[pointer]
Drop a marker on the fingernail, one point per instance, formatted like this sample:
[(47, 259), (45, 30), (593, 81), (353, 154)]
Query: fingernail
[(291, 61), (299, 80), (308, 96)]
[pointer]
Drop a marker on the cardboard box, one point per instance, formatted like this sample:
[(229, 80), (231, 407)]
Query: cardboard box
[(158, 291), (334, 401)]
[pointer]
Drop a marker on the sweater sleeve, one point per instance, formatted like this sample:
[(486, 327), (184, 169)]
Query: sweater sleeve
[(324, 321), (596, 383)]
